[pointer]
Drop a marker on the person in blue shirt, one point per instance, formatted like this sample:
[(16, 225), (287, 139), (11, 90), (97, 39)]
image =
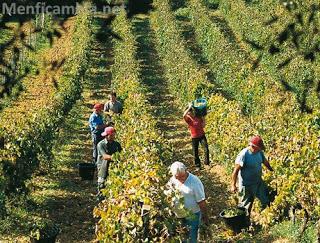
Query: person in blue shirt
[(248, 172), (97, 126)]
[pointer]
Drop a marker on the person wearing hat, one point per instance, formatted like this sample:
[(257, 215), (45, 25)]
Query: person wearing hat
[(196, 126), (96, 125), (194, 201), (248, 172), (106, 148)]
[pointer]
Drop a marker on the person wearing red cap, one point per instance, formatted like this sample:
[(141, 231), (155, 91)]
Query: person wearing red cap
[(196, 126), (106, 148), (96, 125), (249, 164)]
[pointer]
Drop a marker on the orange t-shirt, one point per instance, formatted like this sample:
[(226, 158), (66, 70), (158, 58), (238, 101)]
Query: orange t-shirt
[(195, 126)]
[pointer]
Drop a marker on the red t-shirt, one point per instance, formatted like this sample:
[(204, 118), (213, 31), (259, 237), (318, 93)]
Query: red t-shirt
[(195, 126)]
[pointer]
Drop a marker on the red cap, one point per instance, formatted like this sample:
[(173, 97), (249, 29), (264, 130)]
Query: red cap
[(98, 107), (257, 141), (108, 131)]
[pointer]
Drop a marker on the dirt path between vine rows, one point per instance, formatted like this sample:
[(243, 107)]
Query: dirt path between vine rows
[(214, 177), (218, 233), (61, 195), (72, 202)]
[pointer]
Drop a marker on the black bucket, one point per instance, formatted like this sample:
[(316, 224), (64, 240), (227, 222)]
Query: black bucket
[(47, 238), (51, 239), (86, 171), (237, 222)]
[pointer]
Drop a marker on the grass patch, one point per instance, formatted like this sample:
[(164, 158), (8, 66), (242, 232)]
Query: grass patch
[(289, 230), (18, 217)]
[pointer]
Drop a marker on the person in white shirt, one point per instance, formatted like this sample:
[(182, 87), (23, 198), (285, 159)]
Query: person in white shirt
[(192, 191)]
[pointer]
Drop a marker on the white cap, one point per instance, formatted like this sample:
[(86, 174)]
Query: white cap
[(177, 168)]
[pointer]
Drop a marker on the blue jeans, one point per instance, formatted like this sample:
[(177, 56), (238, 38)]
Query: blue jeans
[(96, 138), (193, 223)]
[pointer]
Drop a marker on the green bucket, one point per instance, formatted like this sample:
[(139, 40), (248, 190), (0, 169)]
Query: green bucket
[(200, 106)]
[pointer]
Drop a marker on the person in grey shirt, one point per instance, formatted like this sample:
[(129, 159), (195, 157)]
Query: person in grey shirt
[(248, 171), (113, 104), (106, 148)]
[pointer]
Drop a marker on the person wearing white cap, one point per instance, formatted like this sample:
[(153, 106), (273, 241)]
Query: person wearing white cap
[(192, 191), (106, 148)]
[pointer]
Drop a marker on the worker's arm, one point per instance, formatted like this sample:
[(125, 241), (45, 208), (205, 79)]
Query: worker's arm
[(103, 153), (267, 164), (203, 208), (120, 108), (106, 107), (100, 127), (203, 122), (107, 157), (235, 178), (187, 111)]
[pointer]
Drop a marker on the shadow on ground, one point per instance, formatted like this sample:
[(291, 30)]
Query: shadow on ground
[(62, 195), (172, 124)]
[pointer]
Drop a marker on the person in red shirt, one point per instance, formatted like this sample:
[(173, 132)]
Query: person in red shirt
[(196, 126)]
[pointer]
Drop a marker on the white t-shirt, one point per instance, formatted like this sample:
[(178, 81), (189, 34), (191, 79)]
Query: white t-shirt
[(192, 191)]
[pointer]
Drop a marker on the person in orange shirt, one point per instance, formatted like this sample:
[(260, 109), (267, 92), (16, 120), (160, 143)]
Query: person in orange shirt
[(196, 126)]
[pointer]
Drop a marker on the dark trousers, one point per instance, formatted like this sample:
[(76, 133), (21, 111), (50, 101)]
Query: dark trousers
[(96, 138), (249, 193), (195, 149)]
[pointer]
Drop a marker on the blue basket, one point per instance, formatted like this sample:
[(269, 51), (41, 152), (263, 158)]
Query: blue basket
[(200, 106)]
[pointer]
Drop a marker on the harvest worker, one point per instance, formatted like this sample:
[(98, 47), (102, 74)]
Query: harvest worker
[(113, 104), (196, 126), (106, 148), (96, 125), (191, 189), (249, 164)]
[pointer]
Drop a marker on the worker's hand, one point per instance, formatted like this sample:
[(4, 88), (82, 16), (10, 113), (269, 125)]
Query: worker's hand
[(233, 188), (107, 157)]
